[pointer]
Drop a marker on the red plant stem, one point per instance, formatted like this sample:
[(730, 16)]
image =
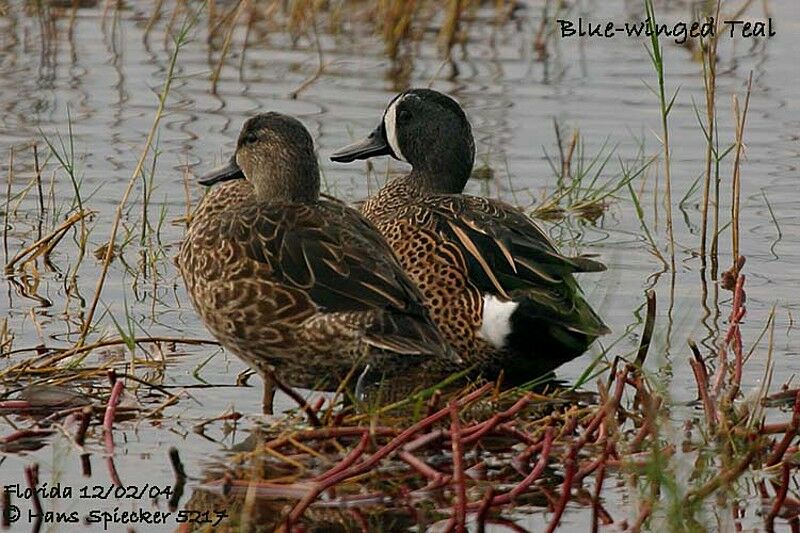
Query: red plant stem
[(15, 404), (483, 510), (25, 433), (349, 459), (722, 371), (644, 430), (108, 423), (771, 429), (32, 477), (86, 418), (524, 456), (477, 431), (318, 404), (737, 313), (385, 451), (330, 433), (423, 468), (460, 507), (644, 514), (566, 487), (610, 407), (572, 459), (598, 487), (360, 520), (423, 440), (508, 497), (701, 377), (597, 463), (780, 497), (506, 429), (570, 426), (111, 411), (780, 449), (5, 505)]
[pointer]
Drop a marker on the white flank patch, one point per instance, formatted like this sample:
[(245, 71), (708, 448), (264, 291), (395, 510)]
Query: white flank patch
[(390, 123), (496, 323)]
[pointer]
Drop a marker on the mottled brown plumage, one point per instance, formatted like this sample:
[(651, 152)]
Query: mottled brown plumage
[(499, 290), (296, 284)]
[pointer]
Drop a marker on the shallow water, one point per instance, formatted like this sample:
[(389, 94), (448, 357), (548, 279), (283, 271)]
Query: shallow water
[(105, 74)]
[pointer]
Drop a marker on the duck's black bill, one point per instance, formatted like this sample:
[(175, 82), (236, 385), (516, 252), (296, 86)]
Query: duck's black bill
[(374, 145), (228, 171)]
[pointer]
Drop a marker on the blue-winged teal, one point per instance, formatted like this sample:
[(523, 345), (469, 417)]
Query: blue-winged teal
[(497, 287), (301, 287)]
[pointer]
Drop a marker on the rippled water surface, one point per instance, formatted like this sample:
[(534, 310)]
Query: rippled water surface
[(97, 70)]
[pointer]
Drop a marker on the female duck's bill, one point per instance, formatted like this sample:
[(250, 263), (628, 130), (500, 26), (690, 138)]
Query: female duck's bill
[(227, 172)]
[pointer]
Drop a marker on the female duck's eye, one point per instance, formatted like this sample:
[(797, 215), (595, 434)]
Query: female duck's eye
[(403, 114), (250, 138)]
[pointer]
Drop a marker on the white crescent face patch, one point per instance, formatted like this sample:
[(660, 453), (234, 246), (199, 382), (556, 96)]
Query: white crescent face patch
[(390, 126)]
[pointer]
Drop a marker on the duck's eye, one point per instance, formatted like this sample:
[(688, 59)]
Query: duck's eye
[(250, 138), (403, 114)]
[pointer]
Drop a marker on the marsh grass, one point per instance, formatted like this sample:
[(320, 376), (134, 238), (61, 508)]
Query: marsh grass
[(655, 52), (585, 187)]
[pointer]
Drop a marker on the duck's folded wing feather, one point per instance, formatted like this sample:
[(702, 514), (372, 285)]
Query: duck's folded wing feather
[(499, 240), (334, 255), (508, 255)]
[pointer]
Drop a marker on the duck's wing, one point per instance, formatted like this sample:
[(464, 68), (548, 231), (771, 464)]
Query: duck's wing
[(508, 255), (339, 260)]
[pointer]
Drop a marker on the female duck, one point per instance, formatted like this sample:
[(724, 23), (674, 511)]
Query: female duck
[(498, 289), (300, 287)]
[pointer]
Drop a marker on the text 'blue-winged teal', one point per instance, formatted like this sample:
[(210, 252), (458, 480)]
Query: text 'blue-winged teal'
[(301, 287), (499, 290)]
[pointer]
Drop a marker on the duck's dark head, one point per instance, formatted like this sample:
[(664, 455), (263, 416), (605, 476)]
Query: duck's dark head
[(275, 153), (427, 129)]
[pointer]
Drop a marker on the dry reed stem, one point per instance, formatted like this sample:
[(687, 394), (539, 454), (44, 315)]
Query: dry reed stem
[(320, 57), (710, 86), (740, 119), (46, 362), (48, 242), (87, 325), (226, 44), (9, 180)]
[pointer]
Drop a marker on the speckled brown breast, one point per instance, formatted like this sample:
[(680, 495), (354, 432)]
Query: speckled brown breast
[(438, 269)]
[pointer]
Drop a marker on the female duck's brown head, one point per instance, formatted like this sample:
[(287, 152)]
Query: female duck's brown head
[(275, 153)]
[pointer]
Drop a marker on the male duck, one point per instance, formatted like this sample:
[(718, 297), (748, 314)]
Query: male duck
[(302, 288), (497, 287)]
